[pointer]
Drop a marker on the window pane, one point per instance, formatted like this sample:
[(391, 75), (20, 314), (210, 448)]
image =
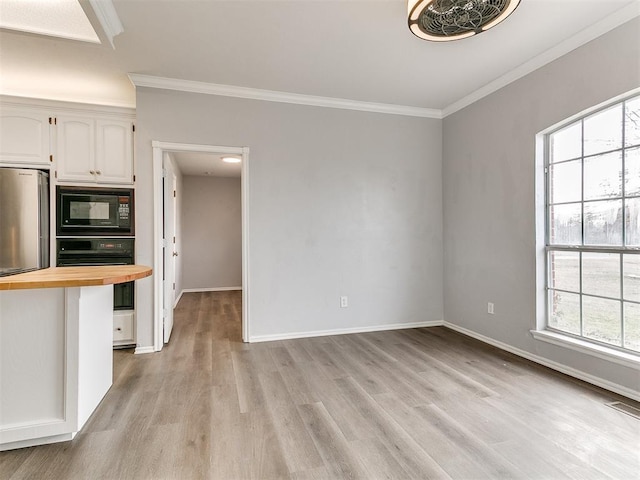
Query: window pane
[(601, 274), (565, 223), (632, 326), (564, 271), (603, 131), (603, 176), (633, 222), (603, 223), (593, 195), (631, 269), (601, 319), (566, 143), (632, 123), (632, 172), (566, 182), (565, 311)]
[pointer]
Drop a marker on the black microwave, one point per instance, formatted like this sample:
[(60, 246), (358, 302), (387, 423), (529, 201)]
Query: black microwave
[(94, 211)]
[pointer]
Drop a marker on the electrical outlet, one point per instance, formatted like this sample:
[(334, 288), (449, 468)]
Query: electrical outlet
[(344, 301), (490, 308)]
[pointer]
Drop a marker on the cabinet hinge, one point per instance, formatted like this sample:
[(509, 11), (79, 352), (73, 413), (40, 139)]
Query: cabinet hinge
[(51, 158), (134, 178), (174, 194)]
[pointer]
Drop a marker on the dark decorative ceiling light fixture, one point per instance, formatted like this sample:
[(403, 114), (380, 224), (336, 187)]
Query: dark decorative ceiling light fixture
[(445, 20)]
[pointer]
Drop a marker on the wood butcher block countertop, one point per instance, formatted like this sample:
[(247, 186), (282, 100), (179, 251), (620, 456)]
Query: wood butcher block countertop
[(74, 277)]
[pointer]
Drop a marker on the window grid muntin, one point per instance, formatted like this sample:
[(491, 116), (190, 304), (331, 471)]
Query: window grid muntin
[(622, 250), (630, 197)]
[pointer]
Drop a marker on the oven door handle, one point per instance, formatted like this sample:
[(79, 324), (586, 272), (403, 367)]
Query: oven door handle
[(93, 264)]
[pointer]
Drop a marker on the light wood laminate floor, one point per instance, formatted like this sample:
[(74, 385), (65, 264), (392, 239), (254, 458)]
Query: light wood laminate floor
[(411, 404)]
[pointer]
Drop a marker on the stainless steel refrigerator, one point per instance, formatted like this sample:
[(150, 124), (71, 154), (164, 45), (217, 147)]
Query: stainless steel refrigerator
[(24, 220)]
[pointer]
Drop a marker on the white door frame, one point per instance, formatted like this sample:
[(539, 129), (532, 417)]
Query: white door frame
[(159, 148)]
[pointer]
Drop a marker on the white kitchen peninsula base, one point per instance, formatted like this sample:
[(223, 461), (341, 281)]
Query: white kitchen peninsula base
[(56, 355), (56, 361)]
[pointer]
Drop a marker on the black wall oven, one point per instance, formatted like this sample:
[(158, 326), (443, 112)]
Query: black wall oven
[(94, 211), (100, 251)]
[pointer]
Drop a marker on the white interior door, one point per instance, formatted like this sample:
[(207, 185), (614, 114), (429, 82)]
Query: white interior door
[(170, 250)]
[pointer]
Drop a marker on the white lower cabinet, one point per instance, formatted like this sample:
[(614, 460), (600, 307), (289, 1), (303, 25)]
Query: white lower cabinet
[(123, 328)]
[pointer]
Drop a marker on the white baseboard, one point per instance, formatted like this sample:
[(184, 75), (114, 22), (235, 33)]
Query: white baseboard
[(209, 289), (196, 290), (343, 331), (32, 442), (587, 377), (175, 304), (141, 350)]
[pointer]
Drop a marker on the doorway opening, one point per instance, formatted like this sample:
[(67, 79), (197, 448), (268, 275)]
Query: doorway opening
[(167, 244)]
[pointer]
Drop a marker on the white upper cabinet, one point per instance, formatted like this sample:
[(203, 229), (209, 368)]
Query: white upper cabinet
[(24, 136), (94, 150), (114, 155), (75, 155), (81, 143)]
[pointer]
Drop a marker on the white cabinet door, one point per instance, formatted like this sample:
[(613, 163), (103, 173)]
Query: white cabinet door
[(123, 328), (24, 136), (75, 156), (114, 151)]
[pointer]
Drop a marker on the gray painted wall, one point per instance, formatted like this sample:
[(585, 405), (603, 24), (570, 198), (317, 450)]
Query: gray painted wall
[(212, 232), (489, 203), (340, 203)]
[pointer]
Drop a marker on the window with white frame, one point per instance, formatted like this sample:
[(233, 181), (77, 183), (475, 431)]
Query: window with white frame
[(593, 226)]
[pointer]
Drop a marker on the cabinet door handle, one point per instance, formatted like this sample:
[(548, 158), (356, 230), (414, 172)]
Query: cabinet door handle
[(98, 172), (119, 329), (92, 172)]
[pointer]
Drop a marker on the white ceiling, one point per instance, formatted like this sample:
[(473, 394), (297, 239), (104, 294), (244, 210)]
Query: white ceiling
[(60, 18), (206, 164), (351, 49)]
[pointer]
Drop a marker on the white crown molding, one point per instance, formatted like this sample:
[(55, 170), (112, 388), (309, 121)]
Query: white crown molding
[(594, 31), (282, 97), (67, 107), (108, 18)]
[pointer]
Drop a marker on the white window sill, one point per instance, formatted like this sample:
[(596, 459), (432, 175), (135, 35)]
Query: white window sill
[(611, 354)]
